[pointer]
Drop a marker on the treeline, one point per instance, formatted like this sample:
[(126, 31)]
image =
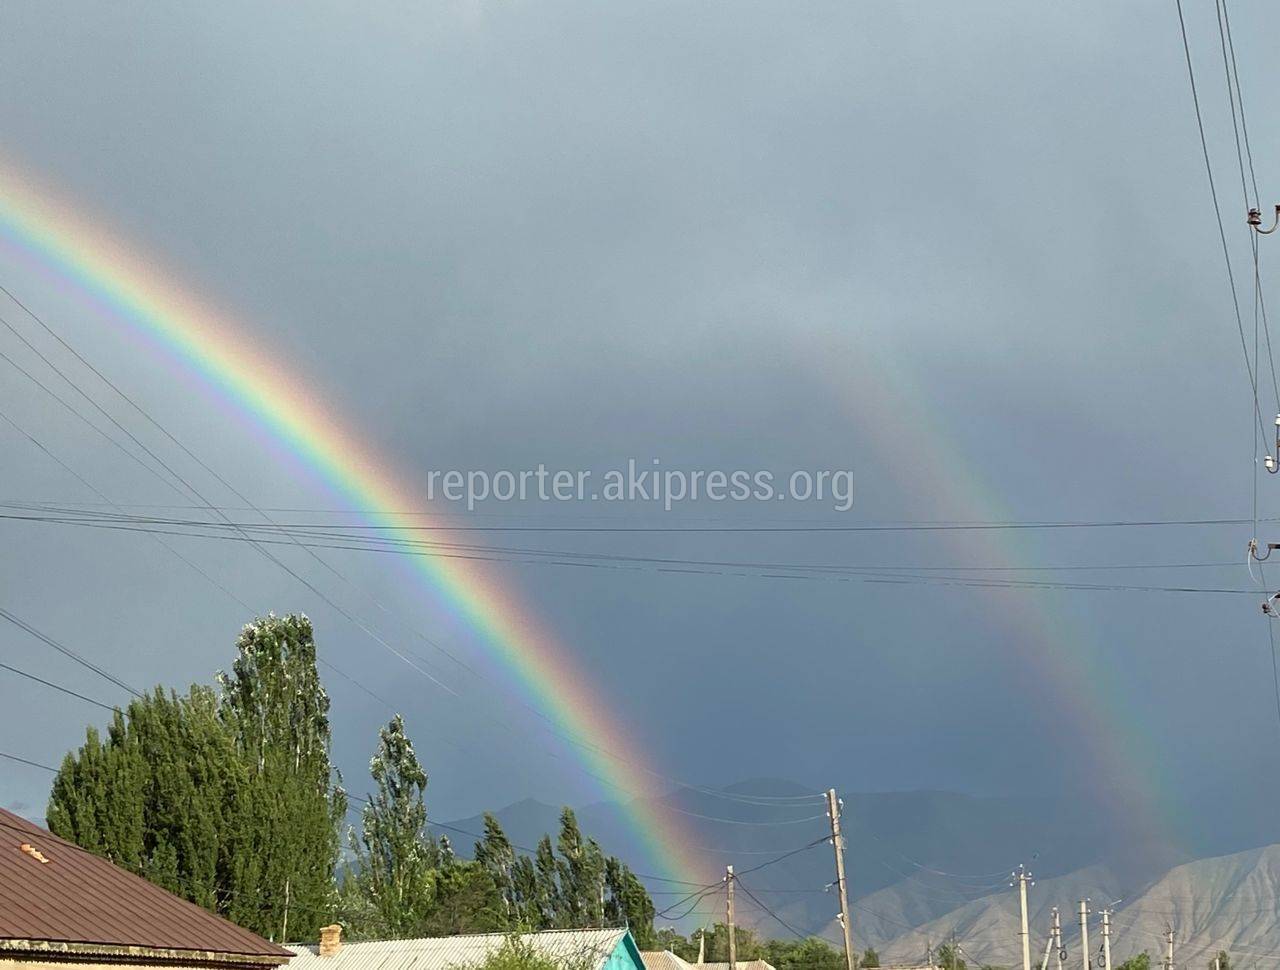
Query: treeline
[(228, 797)]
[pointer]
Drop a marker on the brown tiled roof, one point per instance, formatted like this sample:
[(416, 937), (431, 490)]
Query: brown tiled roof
[(81, 900)]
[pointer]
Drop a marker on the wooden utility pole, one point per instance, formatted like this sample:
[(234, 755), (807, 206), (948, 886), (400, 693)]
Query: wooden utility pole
[(837, 841), (728, 913), (1021, 879)]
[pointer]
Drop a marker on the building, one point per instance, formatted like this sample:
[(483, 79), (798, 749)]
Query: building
[(666, 960), (63, 908), (585, 949)]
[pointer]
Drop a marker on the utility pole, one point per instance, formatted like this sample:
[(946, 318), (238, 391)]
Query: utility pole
[(1057, 936), (1021, 879), (1168, 941), (1084, 934), (728, 912), (1106, 940), (1048, 945), (837, 841)]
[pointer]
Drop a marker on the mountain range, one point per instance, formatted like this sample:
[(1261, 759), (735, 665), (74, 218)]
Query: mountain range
[(926, 865)]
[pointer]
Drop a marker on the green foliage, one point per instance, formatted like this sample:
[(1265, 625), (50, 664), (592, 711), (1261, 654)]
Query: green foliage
[(516, 954), (467, 901), (628, 903), (1221, 962), (228, 801), (807, 954), (228, 798), (668, 938), (749, 946), (1140, 962), (393, 882), (870, 959), (948, 958)]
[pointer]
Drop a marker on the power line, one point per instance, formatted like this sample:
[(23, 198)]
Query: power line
[(1217, 211), (191, 489), (24, 761), (259, 545), (810, 573), (752, 896), (57, 687), (75, 515), (66, 651)]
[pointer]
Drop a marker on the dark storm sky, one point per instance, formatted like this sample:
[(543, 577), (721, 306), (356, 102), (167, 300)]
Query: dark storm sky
[(963, 249)]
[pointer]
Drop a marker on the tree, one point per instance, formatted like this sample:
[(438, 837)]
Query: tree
[(228, 800), (466, 901), (285, 838), (807, 954), (389, 892), (668, 938), (517, 954), (870, 959), (628, 903), (748, 945), (948, 958), (496, 855), (1221, 962), (156, 796), (1140, 962), (580, 868)]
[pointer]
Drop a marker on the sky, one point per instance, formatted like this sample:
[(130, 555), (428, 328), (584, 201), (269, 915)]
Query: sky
[(965, 251)]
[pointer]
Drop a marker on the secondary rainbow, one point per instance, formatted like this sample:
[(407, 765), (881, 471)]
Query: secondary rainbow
[(1066, 657), (134, 291)]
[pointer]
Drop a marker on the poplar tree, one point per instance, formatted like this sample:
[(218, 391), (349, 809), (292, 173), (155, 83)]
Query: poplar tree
[(581, 874), (286, 838), (628, 903), (229, 800), (495, 854), (393, 881)]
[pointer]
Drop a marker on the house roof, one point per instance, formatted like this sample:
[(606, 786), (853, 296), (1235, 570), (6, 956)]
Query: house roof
[(594, 947), (663, 960), (666, 960), (56, 896)]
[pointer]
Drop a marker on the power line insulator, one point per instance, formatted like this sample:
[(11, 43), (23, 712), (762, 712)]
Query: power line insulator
[(1254, 218)]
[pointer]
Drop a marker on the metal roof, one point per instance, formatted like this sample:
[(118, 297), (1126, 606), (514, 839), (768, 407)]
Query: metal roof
[(666, 960), (57, 896), (663, 960), (592, 947)]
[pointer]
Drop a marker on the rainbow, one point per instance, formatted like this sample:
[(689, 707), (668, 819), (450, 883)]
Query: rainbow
[(53, 235), (1063, 655)]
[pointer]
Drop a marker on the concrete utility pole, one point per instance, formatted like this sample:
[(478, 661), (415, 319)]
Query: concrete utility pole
[(728, 912), (1057, 936), (1048, 944), (1021, 879), (833, 809), (1106, 940), (1084, 934), (1168, 940)]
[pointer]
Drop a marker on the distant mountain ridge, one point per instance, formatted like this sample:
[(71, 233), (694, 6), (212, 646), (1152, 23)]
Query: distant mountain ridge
[(1229, 903), (922, 864)]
